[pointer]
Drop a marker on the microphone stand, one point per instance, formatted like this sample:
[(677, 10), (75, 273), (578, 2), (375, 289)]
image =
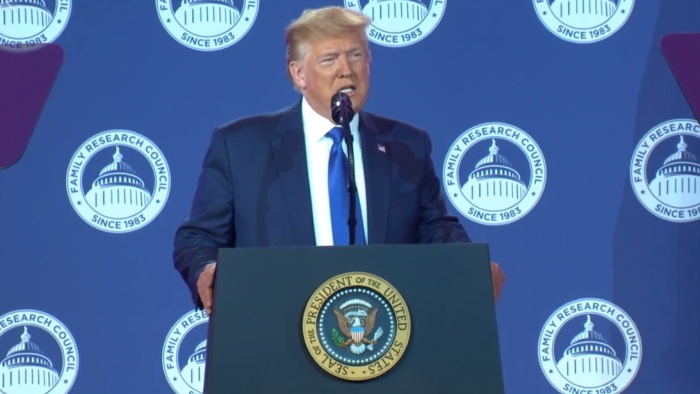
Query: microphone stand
[(342, 112), (352, 186)]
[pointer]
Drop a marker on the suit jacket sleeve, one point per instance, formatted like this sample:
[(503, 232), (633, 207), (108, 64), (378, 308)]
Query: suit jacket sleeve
[(436, 225), (210, 225)]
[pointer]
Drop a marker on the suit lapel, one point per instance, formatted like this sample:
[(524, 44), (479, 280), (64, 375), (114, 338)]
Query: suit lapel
[(377, 168), (289, 153)]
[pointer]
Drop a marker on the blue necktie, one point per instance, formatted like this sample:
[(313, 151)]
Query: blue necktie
[(339, 198)]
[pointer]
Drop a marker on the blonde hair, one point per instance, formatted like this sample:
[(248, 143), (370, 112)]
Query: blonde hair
[(331, 21)]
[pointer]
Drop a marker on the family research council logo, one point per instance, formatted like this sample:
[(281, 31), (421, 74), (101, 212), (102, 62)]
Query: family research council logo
[(27, 23), (185, 353), (665, 173), (494, 173), (118, 181), (575, 355), (41, 354), (207, 25), (397, 23), (583, 21)]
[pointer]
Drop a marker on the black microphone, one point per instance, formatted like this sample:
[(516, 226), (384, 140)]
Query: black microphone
[(341, 109), (342, 113)]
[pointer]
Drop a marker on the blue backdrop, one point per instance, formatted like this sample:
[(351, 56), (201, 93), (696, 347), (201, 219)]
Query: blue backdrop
[(568, 105)]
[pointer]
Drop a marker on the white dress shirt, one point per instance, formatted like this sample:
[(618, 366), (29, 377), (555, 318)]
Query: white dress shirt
[(318, 149)]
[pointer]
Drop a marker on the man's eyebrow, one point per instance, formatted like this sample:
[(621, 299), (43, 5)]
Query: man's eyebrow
[(334, 53), (330, 52)]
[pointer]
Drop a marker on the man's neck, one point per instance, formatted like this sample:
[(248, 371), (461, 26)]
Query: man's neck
[(315, 123), (324, 112)]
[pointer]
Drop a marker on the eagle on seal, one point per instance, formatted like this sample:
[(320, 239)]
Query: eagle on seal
[(355, 330)]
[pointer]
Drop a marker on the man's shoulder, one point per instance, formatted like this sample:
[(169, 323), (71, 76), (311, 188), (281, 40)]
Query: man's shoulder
[(253, 124), (393, 127)]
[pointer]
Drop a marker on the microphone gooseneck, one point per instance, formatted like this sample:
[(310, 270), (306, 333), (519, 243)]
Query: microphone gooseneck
[(342, 113)]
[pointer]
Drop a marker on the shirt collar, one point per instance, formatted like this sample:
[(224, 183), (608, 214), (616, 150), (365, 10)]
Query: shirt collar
[(316, 126)]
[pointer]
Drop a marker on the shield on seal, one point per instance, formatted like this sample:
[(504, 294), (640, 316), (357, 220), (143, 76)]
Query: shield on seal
[(357, 331)]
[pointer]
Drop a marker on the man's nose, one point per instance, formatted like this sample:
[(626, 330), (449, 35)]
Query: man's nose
[(344, 69)]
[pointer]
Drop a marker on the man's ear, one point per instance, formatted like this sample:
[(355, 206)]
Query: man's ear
[(297, 75)]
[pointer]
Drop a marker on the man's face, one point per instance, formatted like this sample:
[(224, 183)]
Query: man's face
[(332, 65)]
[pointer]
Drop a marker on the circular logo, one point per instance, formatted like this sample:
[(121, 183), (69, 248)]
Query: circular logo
[(397, 23), (494, 173), (118, 181), (356, 326), (24, 24), (40, 346), (185, 353), (576, 357), (583, 22), (207, 25), (665, 173)]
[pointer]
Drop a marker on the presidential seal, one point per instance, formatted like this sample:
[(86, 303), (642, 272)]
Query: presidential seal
[(24, 24), (504, 185), (118, 181), (397, 23), (576, 358), (42, 356), (583, 22), (356, 326), (665, 173), (207, 25), (185, 353)]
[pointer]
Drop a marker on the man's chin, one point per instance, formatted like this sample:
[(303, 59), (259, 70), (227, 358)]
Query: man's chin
[(357, 103)]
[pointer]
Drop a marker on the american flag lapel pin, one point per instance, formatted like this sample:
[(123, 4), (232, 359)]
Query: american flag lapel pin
[(381, 148)]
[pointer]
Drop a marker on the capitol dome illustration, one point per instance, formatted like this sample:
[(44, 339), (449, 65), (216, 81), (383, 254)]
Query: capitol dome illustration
[(494, 184), (26, 369), (193, 371), (395, 15), (589, 361), (21, 19), (677, 182), (207, 17), (118, 192), (583, 14)]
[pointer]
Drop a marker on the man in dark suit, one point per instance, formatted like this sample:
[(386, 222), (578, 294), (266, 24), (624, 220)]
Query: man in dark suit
[(268, 180)]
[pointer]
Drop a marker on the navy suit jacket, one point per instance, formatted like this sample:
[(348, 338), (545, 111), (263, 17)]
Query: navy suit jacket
[(254, 190)]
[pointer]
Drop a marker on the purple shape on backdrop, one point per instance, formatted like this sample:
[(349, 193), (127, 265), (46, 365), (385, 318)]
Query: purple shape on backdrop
[(682, 52), (27, 78)]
